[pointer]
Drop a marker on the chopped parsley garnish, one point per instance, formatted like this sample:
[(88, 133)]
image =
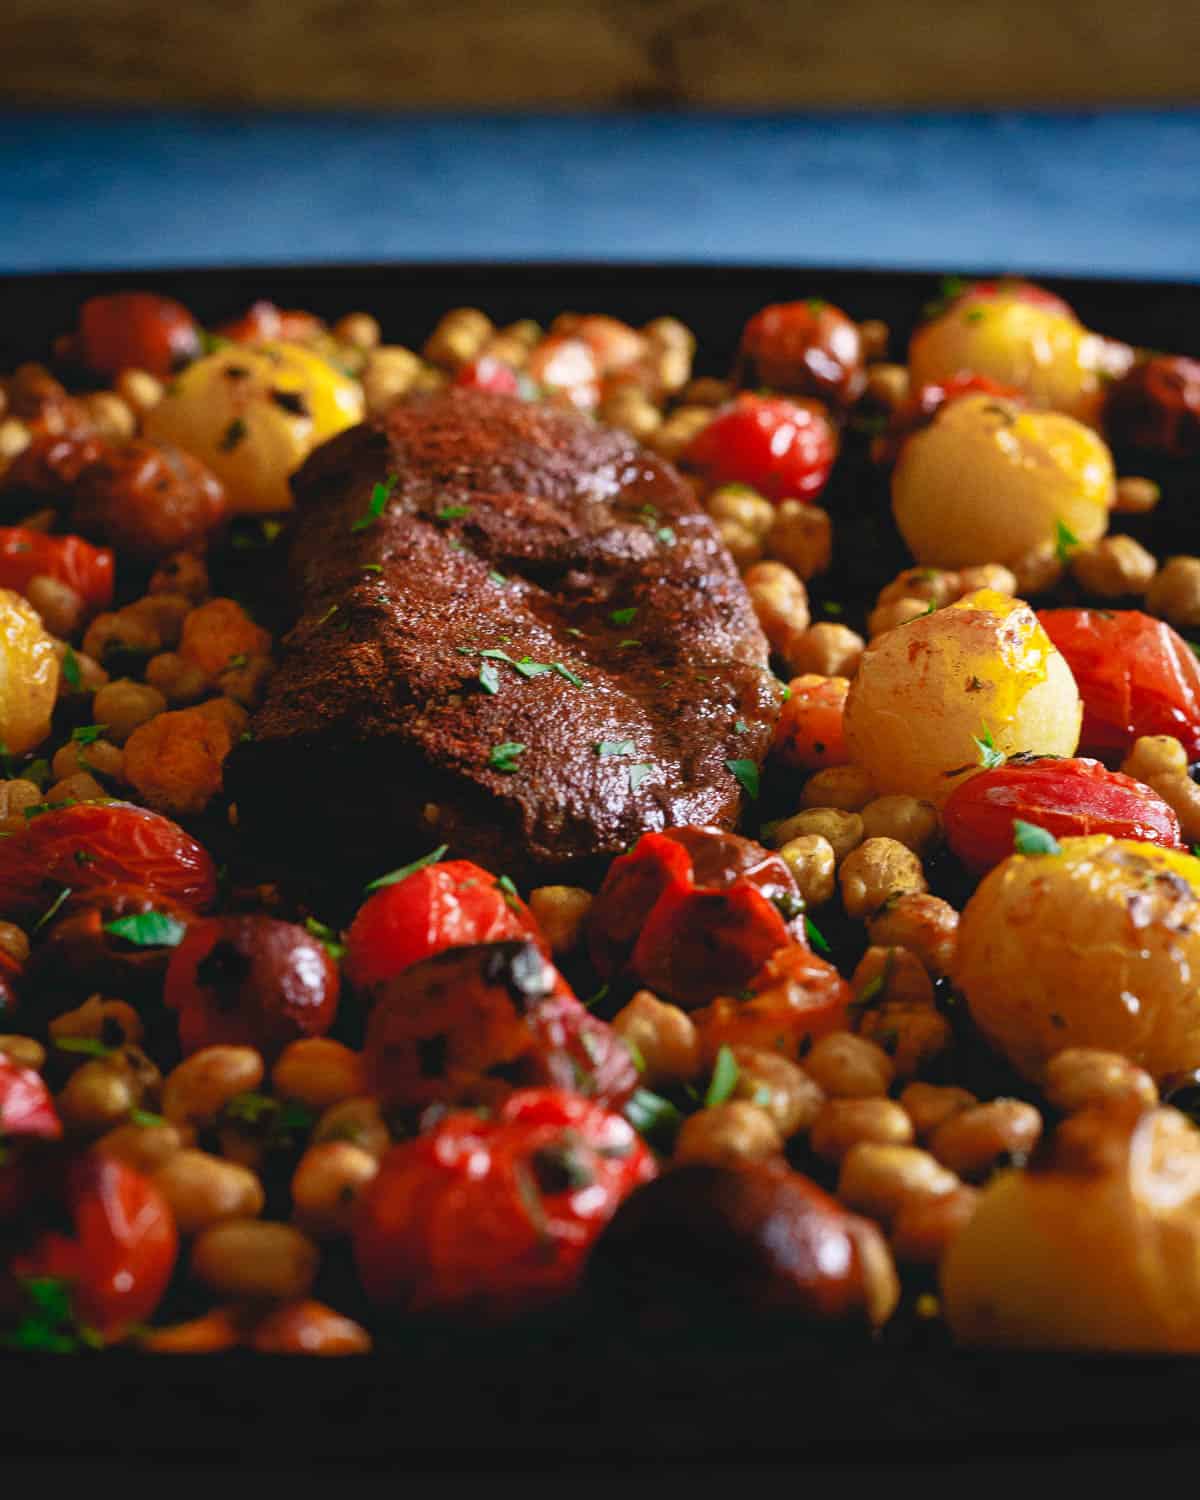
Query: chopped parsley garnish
[(452, 513), (84, 1046), (832, 607), (489, 678), (601, 994), (725, 1076), (148, 929), (572, 678), (145, 1118), (624, 616), (278, 1123), (396, 876), (989, 756), (235, 661), (88, 734), (326, 937), (614, 747), (39, 808), (512, 899), (649, 1113), (974, 315), (328, 615), (746, 772), (630, 641), (666, 536), (233, 435), (53, 909), (530, 668), (1028, 838), (1065, 542), (497, 577), (816, 937), (377, 504), (816, 304), (70, 667), (372, 567), (740, 726), (635, 1053), (638, 774), (82, 857), (503, 757), (37, 771), (49, 1323)]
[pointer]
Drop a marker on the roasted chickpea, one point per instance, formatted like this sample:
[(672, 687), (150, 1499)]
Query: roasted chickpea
[(913, 1035), (936, 586), (843, 831), (1079, 1077), (781, 603), (1154, 756), (828, 650), (678, 430), (846, 1066), (203, 1190), (924, 924), (887, 385), (801, 536), (97, 1095), (877, 870), (1114, 566), (738, 502), (887, 617), (930, 1105), (100, 758), (202, 1085), (15, 796), (843, 1123), (779, 1086), (891, 974), (994, 576), (1039, 569), (181, 682), (82, 787), (845, 787), (974, 1140), (813, 864), (123, 706), (181, 573), (742, 545), (358, 1121), (560, 912), (140, 390), (706, 390), (326, 1184), (879, 1179), (25, 1051), (727, 1135), (61, 608), (1183, 795), (458, 337), (358, 329), (1175, 593), (144, 1147), (662, 1037), (632, 411), (255, 1260), (908, 820), (318, 1072), (12, 939), (112, 1022), (1136, 496)]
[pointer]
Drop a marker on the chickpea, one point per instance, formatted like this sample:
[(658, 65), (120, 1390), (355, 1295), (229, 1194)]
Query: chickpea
[(140, 390), (459, 336), (924, 924), (112, 1022), (15, 437), (97, 1095), (1114, 566), (974, 1140), (1038, 569), (678, 430), (203, 1189), (60, 607), (908, 820), (358, 329), (100, 758), (15, 796), (670, 333), (181, 573), (911, 1035), (885, 617), (112, 416), (813, 864), (24, 1051), (706, 390), (1081, 1076), (246, 684), (874, 336), (662, 1037), (937, 586), (308, 1327), (113, 634), (843, 831), (124, 705), (843, 1123), (202, 1085), (888, 975), (632, 411), (12, 940), (829, 650), (923, 1228), (1154, 756), (144, 1147), (846, 787), (742, 545), (846, 1066), (993, 576), (389, 373), (930, 1105), (1136, 496), (801, 536), (780, 601), (359, 1121), (255, 1260), (874, 872), (779, 1086), (180, 682), (326, 1184), (1175, 592), (1183, 795), (727, 1135), (887, 385), (672, 369), (738, 502), (879, 1180), (212, 1332), (318, 1072), (82, 787), (560, 911)]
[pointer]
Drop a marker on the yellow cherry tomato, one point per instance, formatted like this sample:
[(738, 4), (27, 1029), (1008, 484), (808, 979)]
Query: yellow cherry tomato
[(28, 675), (1095, 946), (254, 415), (929, 690), (989, 482)]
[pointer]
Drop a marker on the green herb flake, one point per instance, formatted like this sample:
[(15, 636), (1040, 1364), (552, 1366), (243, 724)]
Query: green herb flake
[(605, 748), (148, 929), (635, 1053), (88, 734), (530, 668), (989, 756), (38, 771), (326, 937), (740, 727), (83, 1046), (816, 937), (571, 677), (1028, 838), (372, 567), (666, 536), (832, 607), (70, 668), (503, 757), (1065, 542), (328, 615), (396, 876), (145, 1118), (82, 857), (624, 616), (638, 774), (452, 513), (724, 1080), (497, 577), (650, 1113), (974, 315), (489, 678), (601, 994), (377, 504), (746, 773), (506, 887), (53, 909)]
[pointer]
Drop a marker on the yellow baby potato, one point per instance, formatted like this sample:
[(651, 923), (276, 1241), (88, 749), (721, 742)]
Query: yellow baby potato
[(1095, 946), (1048, 355), (28, 675), (990, 482), (254, 415), (927, 690), (1098, 1249)]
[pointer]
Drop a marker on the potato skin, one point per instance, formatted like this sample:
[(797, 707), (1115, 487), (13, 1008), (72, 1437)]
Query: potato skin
[(1098, 1248), (988, 482), (926, 690), (1096, 946), (28, 675)]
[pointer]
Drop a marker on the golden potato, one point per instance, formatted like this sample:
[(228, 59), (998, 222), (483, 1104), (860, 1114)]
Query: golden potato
[(927, 690), (28, 675), (254, 415), (1098, 1249), (1046, 354), (989, 482), (1095, 946)]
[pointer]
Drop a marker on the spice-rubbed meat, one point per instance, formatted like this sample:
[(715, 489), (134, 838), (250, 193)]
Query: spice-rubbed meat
[(515, 633)]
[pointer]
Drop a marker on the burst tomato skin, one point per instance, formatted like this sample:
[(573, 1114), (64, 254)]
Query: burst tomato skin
[(136, 331), (1156, 406), (487, 373), (24, 554), (1066, 797), (781, 447), (450, 905), (1135, 674), (26, 1108), (94, 844), (794, 999), (264, 323), (807, 348), (489, 1218)]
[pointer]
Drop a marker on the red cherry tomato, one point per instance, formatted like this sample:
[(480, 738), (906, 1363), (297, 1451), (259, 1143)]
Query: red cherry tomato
[(52, 463), (250, 981), (264, 323), (487, 373), (88, 570), (1135, 675), (136, 331), (780, 447), (1066, 797), (809, 348), (96, 844), (451, 905), (26, 1108), (489, 1218), (1157, 406), (10, 975)]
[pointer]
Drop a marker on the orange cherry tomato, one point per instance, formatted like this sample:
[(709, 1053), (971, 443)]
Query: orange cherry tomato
[(136, 331), (264, 323), (24, 554), (782, 448), (809, 731), (794, 999)]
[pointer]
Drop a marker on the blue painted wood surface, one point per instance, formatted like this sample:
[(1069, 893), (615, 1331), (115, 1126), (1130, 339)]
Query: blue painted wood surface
[(1110, 193)]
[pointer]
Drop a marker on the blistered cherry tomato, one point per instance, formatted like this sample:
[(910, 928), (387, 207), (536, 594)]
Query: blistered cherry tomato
[(250, 981), (26, 1108), (1157, 406), (488, 1218), (149, 499), (780, 447), (487, 373), (1066, 797), (264, 323), (1135, 675), (96, 844), (794, 999), (136, 331), (50, 466), (88, 570), (809, 348), (448, 905), (809, 732), (123, 1251), (77, 956)]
